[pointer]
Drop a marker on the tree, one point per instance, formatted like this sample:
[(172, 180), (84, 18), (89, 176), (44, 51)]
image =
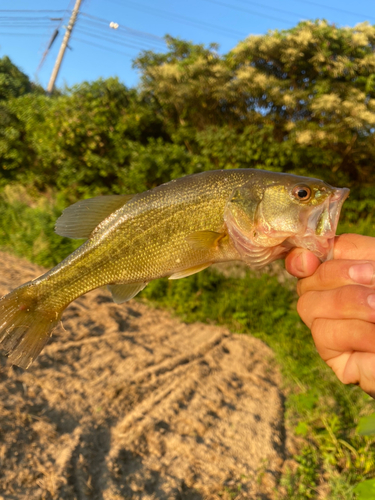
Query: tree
[(13, 82), (311, 87), (300, 100)]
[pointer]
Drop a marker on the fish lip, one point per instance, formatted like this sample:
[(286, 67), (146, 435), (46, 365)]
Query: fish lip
[(335, 203), (332, 206), (340, 194), (324, 243)]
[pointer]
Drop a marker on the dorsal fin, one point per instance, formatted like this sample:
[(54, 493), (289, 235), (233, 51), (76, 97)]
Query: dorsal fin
[(122, 293), (79, 220)]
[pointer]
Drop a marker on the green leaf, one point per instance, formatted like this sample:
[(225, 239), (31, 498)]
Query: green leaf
[(366, 426), (301, 429), (365, 490), (307, 401)]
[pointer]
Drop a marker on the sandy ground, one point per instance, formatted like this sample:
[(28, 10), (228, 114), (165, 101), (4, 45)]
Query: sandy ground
[(127, 402)]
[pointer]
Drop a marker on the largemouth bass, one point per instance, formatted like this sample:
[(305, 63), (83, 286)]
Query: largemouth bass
[(174, 230)]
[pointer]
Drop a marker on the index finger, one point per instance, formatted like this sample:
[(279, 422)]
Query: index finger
[(354, 246), (337, 273)]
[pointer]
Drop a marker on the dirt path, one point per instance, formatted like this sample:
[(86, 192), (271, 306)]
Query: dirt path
[(130, 403)]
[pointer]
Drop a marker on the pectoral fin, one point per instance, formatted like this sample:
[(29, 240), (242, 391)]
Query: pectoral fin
[(189, 272), (79, 220), (123, 293), (204, 240)]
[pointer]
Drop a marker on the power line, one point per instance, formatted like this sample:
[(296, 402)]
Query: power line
[(119, 37), (101, 37), (291, 13), (123, 27), (118, 32), (24, 18), (32, 10), (100, 46), (326, 6), (24, 24), (22, 34), (259, 14), (33, 23), (183, 19), (268, 7), (283, 11)]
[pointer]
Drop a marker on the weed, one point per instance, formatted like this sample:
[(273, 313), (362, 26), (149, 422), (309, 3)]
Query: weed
[(332, 459)]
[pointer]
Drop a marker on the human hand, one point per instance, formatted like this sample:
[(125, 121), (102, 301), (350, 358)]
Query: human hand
[(337, 303)]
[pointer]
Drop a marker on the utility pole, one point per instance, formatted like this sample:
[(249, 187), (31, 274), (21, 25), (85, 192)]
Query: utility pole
[(64, 44)]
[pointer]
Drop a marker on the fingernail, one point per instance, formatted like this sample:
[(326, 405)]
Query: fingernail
[(371, 301), (362, 273), (299, 262)]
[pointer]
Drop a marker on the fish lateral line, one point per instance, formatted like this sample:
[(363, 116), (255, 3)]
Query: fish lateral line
[(174, 230)]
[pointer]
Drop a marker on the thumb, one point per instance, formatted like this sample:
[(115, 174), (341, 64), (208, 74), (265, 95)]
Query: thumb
[(301, 263)]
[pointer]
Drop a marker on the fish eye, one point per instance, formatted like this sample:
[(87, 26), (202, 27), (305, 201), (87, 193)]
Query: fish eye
[(301, 193)]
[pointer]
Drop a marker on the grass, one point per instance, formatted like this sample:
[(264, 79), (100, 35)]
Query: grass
[(27, 224), (321, 413)]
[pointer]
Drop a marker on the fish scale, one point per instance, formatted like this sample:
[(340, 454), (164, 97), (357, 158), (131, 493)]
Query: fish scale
[(144, 228), (174, 230)]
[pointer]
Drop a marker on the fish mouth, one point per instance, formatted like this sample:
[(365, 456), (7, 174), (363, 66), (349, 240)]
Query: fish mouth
[(322, 225)]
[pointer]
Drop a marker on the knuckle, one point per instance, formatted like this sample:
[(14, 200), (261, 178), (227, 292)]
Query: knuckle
[(317, 325), (318, 330), (342, 242), (303, 286), (341, 298), (324, 272), (348, 297), (331, 274), (303, 306)]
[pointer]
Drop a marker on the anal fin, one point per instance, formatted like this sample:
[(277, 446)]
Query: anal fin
[(190, 271), (122, 293)]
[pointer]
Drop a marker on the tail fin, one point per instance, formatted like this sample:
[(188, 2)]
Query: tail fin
[(25, 326)]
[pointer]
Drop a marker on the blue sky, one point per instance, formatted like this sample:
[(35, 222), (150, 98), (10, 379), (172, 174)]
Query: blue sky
[(99, 51)]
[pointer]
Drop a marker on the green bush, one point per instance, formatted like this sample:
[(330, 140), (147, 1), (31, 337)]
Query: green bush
[(27, 227), (300, 101)]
